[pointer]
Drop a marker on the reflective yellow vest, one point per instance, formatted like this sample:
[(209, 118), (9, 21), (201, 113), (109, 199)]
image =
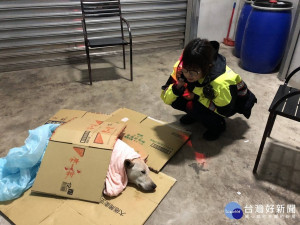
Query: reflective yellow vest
[(221, 86)]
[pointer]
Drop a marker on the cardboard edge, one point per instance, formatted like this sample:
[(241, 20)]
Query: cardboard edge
[(43, 194), (6, 219), (158, 203), (160, 169), (117, 111), (53, 195), (169, 125), (109, 146), (131, 111), (81, 113)]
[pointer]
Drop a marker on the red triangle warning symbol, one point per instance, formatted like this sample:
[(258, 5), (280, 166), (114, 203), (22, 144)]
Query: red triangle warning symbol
[(98, 139), (80, 151), (99, 122)]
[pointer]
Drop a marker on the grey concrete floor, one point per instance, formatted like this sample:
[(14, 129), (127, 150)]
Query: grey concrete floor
[(203, 188)]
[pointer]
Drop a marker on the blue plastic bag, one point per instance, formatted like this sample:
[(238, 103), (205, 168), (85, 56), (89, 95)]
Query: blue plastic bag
[(19, 168)]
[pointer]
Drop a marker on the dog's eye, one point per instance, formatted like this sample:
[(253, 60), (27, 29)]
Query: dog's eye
[(143, 171)]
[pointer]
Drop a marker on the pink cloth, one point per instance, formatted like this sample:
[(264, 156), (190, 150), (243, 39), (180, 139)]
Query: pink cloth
[(116, 178)]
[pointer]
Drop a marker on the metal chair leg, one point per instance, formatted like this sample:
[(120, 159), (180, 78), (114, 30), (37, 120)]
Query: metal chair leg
[(271, 125), (131, 69), (263, 141), (89, 64), (124, 62)]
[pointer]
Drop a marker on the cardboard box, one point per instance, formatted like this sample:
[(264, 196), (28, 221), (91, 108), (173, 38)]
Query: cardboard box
[(77, 158), (132, 207), (148, 136), (158, 139)]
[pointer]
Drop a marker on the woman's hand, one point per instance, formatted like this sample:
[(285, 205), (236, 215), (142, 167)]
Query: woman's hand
[(188, 96), (180, 83), (179, 73)]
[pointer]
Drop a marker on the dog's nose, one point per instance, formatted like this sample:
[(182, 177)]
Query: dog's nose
[(154, 186)]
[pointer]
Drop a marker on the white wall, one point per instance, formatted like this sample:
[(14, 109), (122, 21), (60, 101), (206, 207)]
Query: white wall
[(295, 81), (291, 59), (214, 17), (295, 62), (295, 5)]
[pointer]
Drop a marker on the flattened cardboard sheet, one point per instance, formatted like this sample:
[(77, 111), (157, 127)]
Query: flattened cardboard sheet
[(124, 115), (73, 171), (66, 215), (95, 116), (65, 115), (132, 207), (30, 208), (76, 160), (89, 132), (157, 138)]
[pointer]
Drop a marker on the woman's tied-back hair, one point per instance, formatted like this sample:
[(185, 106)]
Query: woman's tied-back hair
[(199, 55)]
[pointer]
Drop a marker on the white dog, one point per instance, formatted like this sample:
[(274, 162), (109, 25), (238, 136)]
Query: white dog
[(126, 166), (138, 173)]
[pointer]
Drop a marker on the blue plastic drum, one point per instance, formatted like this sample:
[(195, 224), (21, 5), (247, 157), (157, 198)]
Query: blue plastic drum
[(241, 28), (266, 34)]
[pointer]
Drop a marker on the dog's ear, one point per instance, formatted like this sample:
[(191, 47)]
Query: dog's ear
[(128, 164), (146, 158)]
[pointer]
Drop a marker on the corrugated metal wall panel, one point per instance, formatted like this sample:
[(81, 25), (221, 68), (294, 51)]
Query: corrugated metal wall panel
[(34, 33)]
